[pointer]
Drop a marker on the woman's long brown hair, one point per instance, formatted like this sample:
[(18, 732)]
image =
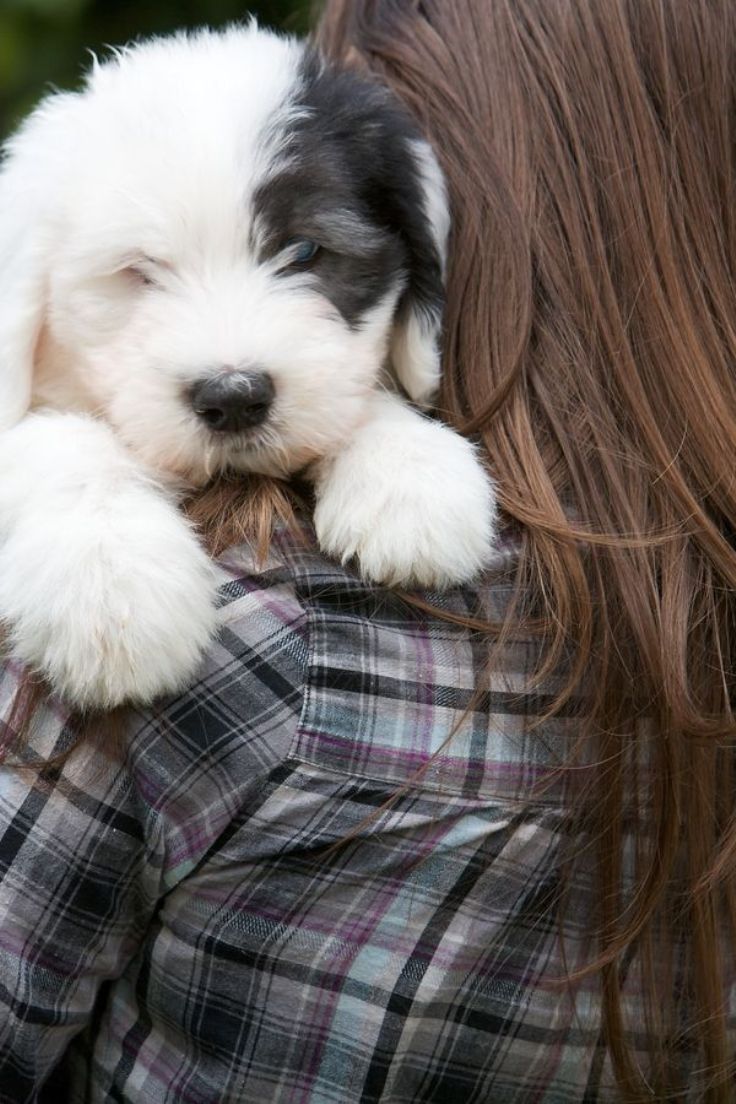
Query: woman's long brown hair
[(590, 344)]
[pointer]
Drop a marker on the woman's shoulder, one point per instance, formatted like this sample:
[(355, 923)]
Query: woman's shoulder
[(388, 686), (314, 665)]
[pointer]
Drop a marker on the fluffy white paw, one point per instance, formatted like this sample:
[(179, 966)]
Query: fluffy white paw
[(409, 500), (113, 615)]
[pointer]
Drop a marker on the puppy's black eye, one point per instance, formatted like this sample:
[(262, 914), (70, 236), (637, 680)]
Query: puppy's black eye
[(139, 275), (303, 252), (144, 271)]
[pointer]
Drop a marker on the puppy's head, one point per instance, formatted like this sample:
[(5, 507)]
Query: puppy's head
[(218, 245)]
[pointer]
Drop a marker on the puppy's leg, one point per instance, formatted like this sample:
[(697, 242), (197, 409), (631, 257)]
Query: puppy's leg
[(104, 588), (408, 498)]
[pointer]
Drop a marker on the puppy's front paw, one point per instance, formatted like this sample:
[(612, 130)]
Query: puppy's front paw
[(410, 501), (107, 617)]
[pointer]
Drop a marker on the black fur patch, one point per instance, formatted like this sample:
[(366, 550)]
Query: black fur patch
[(351, 184)]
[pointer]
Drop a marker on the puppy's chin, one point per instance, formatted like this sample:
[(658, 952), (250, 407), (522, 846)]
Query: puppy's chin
[(278, 466), (191, 469)]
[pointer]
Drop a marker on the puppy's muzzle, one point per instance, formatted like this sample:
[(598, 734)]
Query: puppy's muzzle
[(233, 401)]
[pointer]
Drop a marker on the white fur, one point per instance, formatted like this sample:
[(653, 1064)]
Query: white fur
[(416, 358), (106, 590), (415, 352), (408, 499), (149, 172)]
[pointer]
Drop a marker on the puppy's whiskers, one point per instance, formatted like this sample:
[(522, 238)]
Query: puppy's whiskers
[(210, 460)]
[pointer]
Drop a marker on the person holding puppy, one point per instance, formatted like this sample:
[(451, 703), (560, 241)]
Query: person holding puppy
[(471, 846)]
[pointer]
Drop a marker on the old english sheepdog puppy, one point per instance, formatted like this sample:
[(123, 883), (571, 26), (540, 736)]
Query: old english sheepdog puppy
[(220, 254)]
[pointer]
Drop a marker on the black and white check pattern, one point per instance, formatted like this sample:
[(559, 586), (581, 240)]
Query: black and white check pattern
[(181, 929)]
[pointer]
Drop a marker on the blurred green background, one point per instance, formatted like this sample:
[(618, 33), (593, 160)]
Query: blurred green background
[(44, 43)]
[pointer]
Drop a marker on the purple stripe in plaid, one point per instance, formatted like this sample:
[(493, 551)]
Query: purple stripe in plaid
[(180, 930)]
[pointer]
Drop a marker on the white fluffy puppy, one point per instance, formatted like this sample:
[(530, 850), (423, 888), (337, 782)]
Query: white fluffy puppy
[(209, 255)]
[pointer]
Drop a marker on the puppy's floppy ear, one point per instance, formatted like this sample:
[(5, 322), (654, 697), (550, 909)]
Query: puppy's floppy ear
[(415, 346), (23, 179), (21, 303), (372, 147), (406, 192)]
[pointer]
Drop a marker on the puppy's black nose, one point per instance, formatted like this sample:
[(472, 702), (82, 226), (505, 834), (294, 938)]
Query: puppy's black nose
[(233, 401)]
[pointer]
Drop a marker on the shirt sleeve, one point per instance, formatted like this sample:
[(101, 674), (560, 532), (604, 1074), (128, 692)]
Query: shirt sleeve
[(78, 883), (88, 851)]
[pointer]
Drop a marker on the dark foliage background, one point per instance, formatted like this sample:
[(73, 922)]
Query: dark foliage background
[(44, 43)]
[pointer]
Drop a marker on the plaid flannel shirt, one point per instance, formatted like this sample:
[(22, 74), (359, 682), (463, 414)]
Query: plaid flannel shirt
[(180, 928)]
